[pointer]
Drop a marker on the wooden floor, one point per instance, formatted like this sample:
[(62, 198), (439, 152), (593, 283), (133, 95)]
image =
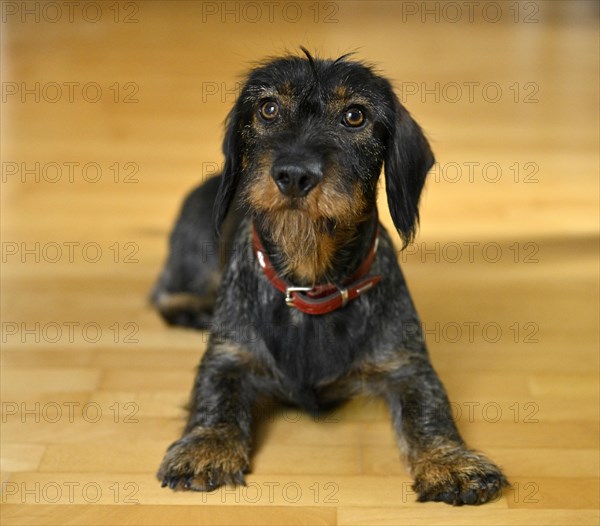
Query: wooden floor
[(106, 125)]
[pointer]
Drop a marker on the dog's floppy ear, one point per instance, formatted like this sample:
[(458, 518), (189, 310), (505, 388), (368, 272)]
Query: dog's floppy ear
[(407, 161), (232, 149)]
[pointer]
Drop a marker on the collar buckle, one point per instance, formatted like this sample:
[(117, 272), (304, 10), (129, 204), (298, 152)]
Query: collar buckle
[(289, 299), (345, 296)]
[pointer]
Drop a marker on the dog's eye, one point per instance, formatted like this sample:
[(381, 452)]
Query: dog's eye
[(269, 110), (353, 118)]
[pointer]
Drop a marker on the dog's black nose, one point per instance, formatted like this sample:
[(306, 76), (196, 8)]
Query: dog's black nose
[(295, 179)]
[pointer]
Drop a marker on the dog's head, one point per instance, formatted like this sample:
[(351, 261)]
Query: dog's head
[(307, 139)]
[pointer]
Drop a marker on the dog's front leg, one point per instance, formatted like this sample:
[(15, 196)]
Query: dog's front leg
[(215, 445), (443, 467)]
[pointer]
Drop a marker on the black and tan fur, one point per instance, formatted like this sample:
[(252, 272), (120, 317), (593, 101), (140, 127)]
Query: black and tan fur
[(261, 348)]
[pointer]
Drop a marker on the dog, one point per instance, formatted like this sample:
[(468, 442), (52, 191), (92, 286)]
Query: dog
[(282, 256)]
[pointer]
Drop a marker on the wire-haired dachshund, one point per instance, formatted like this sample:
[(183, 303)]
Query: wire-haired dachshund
[(282, 257)]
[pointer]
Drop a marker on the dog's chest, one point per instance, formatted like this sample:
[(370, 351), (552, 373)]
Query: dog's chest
[(311, 350)]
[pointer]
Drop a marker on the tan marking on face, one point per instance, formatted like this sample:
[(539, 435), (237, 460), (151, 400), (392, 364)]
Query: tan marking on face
[(285, 89), (300, 231), (342, 98), (282, 94), (341, 92)]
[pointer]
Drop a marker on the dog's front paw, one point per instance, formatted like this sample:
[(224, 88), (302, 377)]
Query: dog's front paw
[(205, 459), (457, 476)]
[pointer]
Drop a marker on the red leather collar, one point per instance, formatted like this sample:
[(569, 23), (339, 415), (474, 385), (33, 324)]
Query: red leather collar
[(324, 298)]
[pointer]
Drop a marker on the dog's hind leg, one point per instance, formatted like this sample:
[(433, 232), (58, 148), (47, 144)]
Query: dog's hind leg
[(185, 291)]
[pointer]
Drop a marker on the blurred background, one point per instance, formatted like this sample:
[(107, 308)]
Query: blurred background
[(112, 111)]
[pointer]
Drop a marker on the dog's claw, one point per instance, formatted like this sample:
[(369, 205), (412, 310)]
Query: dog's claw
[(470, 497), (211, 485)]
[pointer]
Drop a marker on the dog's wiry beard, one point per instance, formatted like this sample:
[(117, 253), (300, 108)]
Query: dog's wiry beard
[(308, 245), (308, 233)]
